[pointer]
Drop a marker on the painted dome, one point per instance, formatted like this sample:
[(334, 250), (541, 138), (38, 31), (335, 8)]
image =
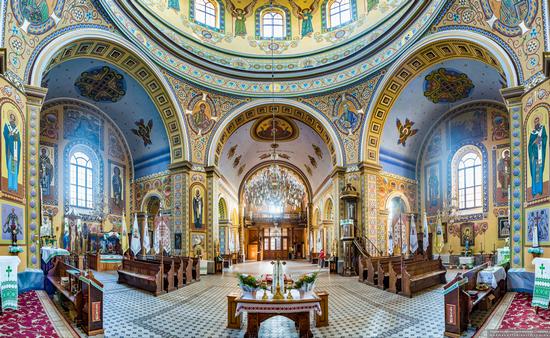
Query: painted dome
[(228, 44)]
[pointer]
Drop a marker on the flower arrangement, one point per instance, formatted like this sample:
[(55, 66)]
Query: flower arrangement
[(248, 283), (305, 282)]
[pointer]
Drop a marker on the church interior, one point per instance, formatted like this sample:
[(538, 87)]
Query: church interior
[(274, 168)]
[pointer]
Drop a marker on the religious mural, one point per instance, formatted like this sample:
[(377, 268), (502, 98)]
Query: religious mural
[(49, 125), (240, 15), (500, 126), (282, 128), (467, 235), (445, 85), (501, 174), (510, 17), (538, 176), (202, 114), (13, 150), (398, 220), (305, 15), (82, 125), (433, 149), (538, 218), (198, 244), (503, 227), (347, 114), (433, 182), (197, 207), (318, 151), (143, 131), (48, 171), (117, 173), (102, 84), (470, 125), (37, 16), (12, 221)]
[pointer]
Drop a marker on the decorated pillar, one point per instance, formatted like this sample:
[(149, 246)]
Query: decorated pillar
[(512, 97), (180, 208), (338, 184), (35, 99), (373, 228), (212, 184)]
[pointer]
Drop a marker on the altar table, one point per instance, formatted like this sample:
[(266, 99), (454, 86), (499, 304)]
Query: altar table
[(8, 282), (541, 290), (297, 309), (491, 276)]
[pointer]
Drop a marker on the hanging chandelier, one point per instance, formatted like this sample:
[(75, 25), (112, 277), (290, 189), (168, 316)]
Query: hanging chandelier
[(274, 188)]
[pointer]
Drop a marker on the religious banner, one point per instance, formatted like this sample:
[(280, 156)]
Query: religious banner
[(425, 230), (413, 237), (439, 239), (8, 281), (432, 177), (13, 220), (146, 237), (541, 290), (161, 238), (12, 150), (538, 175), (136, 238), (124, 236)]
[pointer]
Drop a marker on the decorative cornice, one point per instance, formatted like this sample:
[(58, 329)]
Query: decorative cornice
[(512, 95)]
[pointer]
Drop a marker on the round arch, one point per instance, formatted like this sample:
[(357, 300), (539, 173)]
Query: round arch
[(219, 136), (109, 47), (440, 46), (147, 198), (400, 195)]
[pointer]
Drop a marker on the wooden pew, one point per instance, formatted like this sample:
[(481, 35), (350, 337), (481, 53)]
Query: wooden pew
[(382, 275), (84, 291), (169, 270), (143, 275), (187, 270), (196, 268), (362, 267), (421, 275)]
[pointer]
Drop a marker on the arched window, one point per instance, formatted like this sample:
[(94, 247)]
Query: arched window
[(222, 209), (339, 13), (206, 12), (470, 181), (328, 210), (273, 24), (81, 181)]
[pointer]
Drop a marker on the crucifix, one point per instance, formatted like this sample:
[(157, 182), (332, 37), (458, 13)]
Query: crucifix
[(9, 270)]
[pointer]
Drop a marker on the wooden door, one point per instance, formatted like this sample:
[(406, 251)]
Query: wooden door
[(252, 253)]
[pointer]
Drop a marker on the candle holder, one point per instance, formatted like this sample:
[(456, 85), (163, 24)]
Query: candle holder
[(289, 294)]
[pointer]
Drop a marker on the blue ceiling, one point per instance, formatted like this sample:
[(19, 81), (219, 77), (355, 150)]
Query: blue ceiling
[(133, 106), (413, 105)]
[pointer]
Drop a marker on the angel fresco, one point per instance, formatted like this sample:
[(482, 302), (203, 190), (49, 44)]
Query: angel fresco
[(240, 15), (306, 15)]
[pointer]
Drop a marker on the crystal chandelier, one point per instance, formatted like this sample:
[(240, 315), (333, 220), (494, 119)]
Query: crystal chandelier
[(273, 188)]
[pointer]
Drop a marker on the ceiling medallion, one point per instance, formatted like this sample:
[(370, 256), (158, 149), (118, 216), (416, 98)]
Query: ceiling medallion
[(102, 84), (445, 85)]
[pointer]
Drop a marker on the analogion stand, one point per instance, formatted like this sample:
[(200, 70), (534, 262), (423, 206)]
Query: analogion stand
[(297, 309)]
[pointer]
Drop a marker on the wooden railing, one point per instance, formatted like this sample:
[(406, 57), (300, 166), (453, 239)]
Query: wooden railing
[(366, 247)]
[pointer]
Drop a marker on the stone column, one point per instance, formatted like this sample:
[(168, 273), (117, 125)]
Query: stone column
[(338, 184), (180, 203), (212, 183), (35, 99), (512, 97)]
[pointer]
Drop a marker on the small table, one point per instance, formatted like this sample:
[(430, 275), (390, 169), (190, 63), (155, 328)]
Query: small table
[(491, 276), (258, 310), (8, 282), (467, 261)]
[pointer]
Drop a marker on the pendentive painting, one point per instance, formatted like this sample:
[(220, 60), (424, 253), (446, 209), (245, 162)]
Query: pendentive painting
[(501, 174), (13, 150), (48, 172), (12, 220), (201, 114), (282, 128), (347, 114), (117, 173), (197, 207), (538, 177), (432, 177)]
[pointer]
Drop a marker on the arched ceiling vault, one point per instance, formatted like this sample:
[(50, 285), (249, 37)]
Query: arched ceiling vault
[(105, 47), (408, 70)]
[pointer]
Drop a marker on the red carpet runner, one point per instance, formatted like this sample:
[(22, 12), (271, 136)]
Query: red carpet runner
[(29, 321), (521, 316)]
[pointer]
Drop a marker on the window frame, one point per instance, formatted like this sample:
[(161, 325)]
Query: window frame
[(463, 169), (273, 12), (455, 156), (87, 172), (326, 15), (219, 12), (286, 24)]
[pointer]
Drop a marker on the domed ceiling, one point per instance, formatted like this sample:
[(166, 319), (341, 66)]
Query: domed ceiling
[(316, 51)]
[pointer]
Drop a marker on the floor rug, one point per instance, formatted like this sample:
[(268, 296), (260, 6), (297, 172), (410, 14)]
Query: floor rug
[(30, 320), (521, 316)]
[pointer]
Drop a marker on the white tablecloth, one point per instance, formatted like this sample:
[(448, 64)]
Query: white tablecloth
[(491, 276), (268, 307), (48, 253), (8, 281)]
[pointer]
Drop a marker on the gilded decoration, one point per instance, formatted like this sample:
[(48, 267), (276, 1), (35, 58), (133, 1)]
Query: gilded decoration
[(509, 17), (101, 84), (159, 184), (282, 128), (389, 183), (202, 114), (446, 85)]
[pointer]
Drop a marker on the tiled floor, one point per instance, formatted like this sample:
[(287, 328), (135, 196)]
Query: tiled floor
[(199, 310)]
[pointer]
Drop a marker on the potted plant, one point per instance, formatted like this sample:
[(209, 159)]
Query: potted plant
[(306, 283), (249, 283)]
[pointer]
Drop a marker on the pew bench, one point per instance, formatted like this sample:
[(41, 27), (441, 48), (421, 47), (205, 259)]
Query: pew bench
[(421, 275), (142, 275)]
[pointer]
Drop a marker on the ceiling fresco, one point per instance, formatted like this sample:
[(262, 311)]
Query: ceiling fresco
[(314, 69), (464, 80), (308, 152), (134, 112)]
